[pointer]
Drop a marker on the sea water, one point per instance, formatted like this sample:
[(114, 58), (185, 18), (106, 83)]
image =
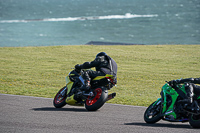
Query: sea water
[(77, 22)]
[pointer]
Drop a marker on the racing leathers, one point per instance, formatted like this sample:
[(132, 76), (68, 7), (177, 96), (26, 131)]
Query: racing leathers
[(103, 63), (190, 87)]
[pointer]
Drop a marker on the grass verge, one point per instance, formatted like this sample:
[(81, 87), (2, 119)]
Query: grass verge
[(142, 69)]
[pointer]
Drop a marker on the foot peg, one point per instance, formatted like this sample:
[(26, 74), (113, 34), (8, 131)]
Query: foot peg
[(88, 94)]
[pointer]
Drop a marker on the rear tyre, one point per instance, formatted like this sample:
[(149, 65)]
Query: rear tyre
[(152, 113), (194, 121), (59, 99), (97, 101)]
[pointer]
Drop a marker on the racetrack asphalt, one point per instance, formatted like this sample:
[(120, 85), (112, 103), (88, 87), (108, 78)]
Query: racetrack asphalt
[(24, 114)]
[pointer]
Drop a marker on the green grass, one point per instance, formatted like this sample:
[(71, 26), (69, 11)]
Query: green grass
[(142, 69)]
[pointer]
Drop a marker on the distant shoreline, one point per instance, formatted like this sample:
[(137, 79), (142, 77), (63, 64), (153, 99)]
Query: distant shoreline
[(96, 43), (110, 43)]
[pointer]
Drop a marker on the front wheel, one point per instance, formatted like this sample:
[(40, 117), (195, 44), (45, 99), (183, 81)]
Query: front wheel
[(59, 99), (152, 113), (194, 121), (97, 100)]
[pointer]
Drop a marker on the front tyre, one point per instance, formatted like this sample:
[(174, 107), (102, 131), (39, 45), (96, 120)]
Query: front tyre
[(152, 113), (59, 99), (97, 101), (194, 121)]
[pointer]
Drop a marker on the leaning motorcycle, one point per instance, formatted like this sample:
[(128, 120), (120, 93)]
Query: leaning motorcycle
[(170, 106), (93, 99)]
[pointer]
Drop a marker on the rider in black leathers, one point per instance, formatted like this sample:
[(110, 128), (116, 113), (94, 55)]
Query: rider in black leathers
[(190, 87), (103, 63)]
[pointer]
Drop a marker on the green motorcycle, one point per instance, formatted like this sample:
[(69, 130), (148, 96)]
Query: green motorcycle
[(171, 108)]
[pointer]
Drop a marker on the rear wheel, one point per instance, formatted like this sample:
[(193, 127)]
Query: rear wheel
[(97, 100), (194, 121), (59, 99), (152, 113)]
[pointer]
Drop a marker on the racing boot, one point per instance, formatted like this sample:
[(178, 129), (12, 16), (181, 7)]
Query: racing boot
[(86, 87)]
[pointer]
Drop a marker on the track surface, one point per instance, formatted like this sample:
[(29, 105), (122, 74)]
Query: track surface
[(21, 114)]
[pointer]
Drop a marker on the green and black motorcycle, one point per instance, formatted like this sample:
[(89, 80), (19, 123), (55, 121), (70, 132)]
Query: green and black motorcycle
[(93, 100), (171, 108)]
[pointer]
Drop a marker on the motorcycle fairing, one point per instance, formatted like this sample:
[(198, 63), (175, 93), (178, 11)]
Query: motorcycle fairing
[(101, 77), (71, 101), (69, 84), (166, 89)]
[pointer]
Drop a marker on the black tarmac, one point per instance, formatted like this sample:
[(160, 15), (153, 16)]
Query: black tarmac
[(23, 114)]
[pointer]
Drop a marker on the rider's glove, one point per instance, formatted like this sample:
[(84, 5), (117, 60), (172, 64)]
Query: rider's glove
[(177, 81), (172, 82), (77, 68)]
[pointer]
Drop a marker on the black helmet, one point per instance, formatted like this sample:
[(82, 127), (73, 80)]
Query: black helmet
[(101, 54)]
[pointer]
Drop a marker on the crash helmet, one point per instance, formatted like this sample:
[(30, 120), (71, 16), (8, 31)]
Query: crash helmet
[(101, 54)]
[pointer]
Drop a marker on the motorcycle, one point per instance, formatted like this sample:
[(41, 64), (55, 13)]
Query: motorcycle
[(170, 107), (93, 100)]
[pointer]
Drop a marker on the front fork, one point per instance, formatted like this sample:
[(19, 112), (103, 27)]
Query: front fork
[(63, 92), (157, 102)]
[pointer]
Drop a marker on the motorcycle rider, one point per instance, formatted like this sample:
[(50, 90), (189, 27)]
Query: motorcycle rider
[(103, 63), (190, 88)]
